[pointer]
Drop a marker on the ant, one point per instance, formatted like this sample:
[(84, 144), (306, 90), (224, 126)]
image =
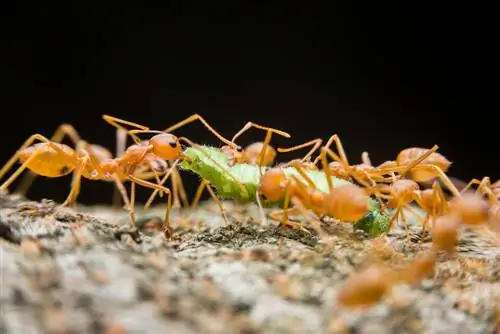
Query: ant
[(99, 154), (171, 150), (52, 159), (445, 232), (346, 202), (372, 283), (178, 190)]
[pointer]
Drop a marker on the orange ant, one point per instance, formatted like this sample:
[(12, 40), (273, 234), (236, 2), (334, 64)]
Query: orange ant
[(53, 159), (99, 154), (178, 191), (445, 232), (372, 283), (472, 210), (230, 145), (368, 176), (346, 202), (174, 152), (423, 174)]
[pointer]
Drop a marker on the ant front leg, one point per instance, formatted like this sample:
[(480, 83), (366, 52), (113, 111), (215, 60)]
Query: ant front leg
[(250, 125), (160, 184), (267, 139), (284, 220), (315, 143), (340, 149), (205, 185), (119, 124), (197, 117)]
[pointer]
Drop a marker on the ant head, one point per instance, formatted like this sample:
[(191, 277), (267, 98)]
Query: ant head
[(271, 184), (166, 146)]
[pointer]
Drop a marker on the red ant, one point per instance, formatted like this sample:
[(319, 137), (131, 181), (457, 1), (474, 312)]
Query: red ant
[(178, 154), (99, 154), (345, 202)]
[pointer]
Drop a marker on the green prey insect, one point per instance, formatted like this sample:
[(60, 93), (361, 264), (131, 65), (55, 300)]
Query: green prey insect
[(248, 176)]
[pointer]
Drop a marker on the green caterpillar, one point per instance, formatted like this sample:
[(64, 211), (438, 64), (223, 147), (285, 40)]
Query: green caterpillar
[(374, 223)]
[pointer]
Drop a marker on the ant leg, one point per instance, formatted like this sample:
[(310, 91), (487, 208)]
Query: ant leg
[(198, 193), (403, 170), (15, 157), (267, 140), (262, 153), (249, 125), (219, 204), (147, 184), (175, 191), (118, 123), (394, 218), (340, 148), (326, 169), (182, 190), (365, 158), (417, 161), (297, 204), (470, 184), (282, 217), (66, 130), (121, 143), (286, 212), (296, 164), (197, 117), (263, 219), (121, 188), (444, 178), (180, 196), (75, 184), (315, 143), (160, 184)]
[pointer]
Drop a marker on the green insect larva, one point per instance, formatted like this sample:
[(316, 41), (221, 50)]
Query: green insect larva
[(249, 176)]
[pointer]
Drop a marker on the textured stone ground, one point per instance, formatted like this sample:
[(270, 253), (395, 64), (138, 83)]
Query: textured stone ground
[(88, 272)]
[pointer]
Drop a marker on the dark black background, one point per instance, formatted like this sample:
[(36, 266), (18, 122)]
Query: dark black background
[(384, 77)]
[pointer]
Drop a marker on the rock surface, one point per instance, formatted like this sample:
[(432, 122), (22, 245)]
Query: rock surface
[(64, 271)]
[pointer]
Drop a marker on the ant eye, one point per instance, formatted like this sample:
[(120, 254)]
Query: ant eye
[(173, 144)]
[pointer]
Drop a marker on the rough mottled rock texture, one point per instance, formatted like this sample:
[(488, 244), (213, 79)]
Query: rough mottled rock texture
[(88, 272)]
